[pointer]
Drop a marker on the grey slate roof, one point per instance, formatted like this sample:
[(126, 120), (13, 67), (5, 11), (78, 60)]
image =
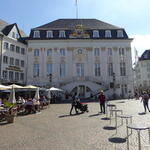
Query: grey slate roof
[(5, 28), (71, 23), (68, 25), (145, 55)]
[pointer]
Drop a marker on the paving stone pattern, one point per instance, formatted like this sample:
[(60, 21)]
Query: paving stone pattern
[(55, 129)]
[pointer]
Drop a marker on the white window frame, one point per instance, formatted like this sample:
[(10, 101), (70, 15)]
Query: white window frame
[(36, 52), (96, 52), (49, 34), (49, 52), (80, 69), (62, 70), (95, 34), (108, 34), (36, 34), (36, 70), (97, 69), (49, 68), (120, 33), (110, 51), (62, 52), (62, 34)]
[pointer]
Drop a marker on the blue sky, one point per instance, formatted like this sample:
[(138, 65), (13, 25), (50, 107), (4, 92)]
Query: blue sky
[(133, 15)]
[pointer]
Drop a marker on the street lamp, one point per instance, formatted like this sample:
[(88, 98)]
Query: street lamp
[(50, 79), (114, 85)]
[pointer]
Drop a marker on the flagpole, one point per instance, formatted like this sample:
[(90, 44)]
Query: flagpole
[(76, 9)]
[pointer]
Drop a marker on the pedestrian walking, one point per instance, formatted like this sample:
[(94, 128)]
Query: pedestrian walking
[(74, 104), (102, 100), (145, 99)]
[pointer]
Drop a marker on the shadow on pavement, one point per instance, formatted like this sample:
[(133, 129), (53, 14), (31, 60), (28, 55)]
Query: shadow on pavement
[(62, 116), (117, 140), (4, 123), (121, 102), (143, 113), (109, 128), (105, 118), (93, 115)]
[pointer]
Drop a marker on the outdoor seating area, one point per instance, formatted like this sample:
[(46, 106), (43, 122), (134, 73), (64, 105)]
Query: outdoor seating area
[(129, 124), (23, 100)]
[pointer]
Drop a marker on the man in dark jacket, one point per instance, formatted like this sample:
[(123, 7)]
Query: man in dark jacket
[(102, 99), (145, 98), (74, 104)]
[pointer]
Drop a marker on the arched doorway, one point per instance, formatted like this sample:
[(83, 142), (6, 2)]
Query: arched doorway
[(82, 91)]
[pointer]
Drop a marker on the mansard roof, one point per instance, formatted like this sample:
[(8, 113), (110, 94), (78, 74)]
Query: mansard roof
[(145, 55), (70, 27), (71, 23)]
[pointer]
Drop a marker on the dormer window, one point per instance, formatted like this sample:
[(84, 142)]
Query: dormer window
[(49, 34), (62, 34), (95, 34), (107, 34), (36, 34), (119, 33)]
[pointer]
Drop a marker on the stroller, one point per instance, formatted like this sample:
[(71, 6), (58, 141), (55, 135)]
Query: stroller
[(82, 107)]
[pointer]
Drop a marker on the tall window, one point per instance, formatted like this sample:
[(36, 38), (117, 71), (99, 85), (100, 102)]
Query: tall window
[(22, 63), (62, 34), (62, 52), (36, 34), (96, 51), (122, 69), (62, 70), (13, 34), (16, 76), (5, 59), (21, 76), (49, 69), (119, 33), (80, 69), (49, 34), (121, 51), (36, 70), (108, 34), (95, 34), (23, 51), (49, 52), (12, 47), (11, 61), (109, 51), (6, 45), (5, 74), (11, 75), (17, 49), (17, 62), (36, 52), (110, 69), (148, 67), (97, 70)]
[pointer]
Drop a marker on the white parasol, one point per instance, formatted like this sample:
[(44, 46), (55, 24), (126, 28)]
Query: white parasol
[(55, 89)]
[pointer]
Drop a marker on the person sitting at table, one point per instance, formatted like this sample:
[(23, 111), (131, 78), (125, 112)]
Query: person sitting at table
[(29, 108), (36, 104)]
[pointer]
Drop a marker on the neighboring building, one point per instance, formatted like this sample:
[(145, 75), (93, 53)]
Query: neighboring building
[(142, 72), (12, 54), (81, 55)]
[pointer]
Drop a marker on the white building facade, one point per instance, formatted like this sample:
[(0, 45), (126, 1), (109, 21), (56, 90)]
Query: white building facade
[(81, 55), (13, 54), (142, 72)]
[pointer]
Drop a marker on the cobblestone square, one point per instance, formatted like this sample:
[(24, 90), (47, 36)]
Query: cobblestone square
[(55, 129)]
